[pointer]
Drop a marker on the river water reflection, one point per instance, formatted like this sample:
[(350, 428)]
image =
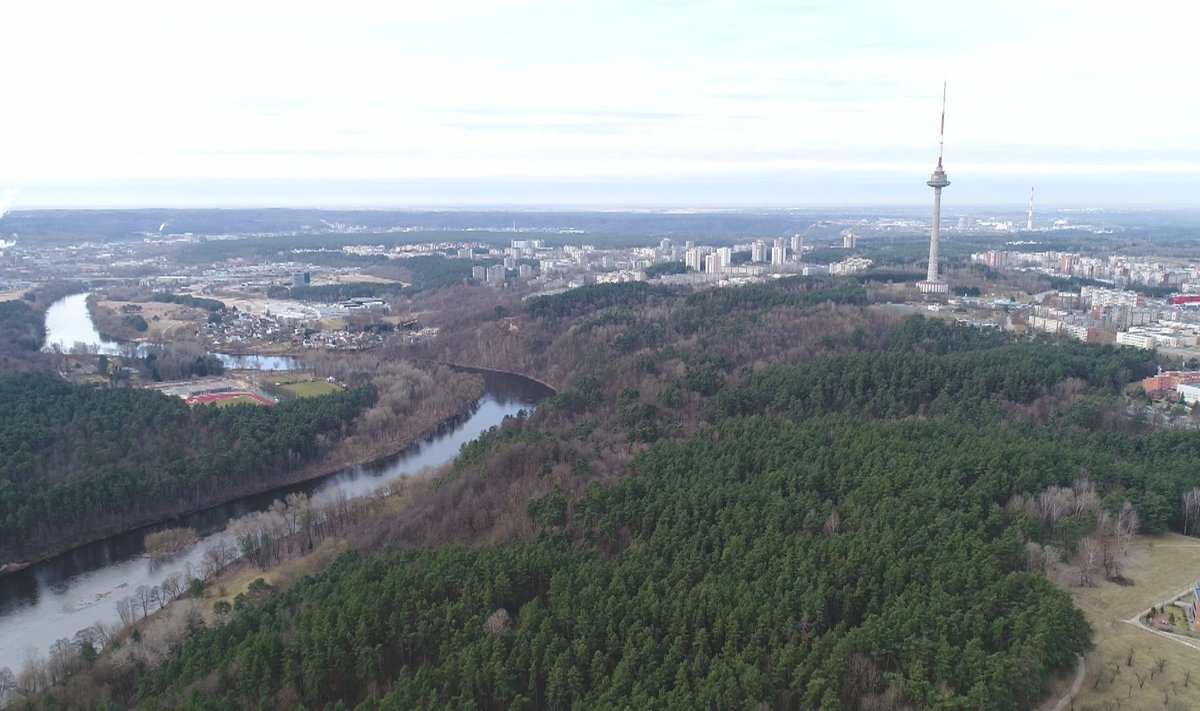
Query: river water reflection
[(68, 323)]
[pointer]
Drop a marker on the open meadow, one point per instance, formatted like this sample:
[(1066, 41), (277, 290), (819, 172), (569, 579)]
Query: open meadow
[(309, 388), (163, 321), (1131, 666)]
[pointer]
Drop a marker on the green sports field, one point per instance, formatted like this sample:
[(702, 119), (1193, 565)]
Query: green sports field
[(310, 388)]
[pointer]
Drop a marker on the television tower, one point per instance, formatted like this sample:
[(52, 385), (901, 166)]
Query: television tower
[(1029, 216), (933, 284)]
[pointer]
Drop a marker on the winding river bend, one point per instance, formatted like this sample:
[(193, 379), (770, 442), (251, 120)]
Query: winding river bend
[(68, 323), (56, 598)]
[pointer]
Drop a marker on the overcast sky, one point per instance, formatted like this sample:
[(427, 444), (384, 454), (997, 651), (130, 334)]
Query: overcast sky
[(612, 103)]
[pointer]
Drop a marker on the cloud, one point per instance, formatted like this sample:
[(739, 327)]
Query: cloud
[(553, 90)]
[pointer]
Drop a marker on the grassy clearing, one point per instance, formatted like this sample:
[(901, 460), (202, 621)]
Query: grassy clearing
[(1123, 669), (163, 319), (310, 388), (239, 400), (280, 577), (364, 279)]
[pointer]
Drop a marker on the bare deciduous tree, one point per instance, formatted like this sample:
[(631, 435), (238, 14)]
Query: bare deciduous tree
[(127, 610), (8, 684), (1087, 556), (216, 557), (499, 621), (144, 597), (832, 523), (31, 680), (62, 661), (1128, 523), (1191, 511), (297, 503), (100, 634), (172, 586), (1106, 538)]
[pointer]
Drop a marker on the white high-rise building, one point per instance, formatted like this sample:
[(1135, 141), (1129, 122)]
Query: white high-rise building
[(694, 257), (758, 252), (798, 246)]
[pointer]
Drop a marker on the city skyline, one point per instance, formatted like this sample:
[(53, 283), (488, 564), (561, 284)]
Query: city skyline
[(705, 104)]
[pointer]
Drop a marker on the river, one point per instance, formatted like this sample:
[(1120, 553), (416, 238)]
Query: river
[(68, 323), (56, 598)]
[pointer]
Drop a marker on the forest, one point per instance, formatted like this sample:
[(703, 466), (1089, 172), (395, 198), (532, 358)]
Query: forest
[(77, 460), (23, 327), (771, 497), (765, 562), (898, 384)]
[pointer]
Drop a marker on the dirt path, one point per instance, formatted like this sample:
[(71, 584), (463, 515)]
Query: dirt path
[(1080, 671)]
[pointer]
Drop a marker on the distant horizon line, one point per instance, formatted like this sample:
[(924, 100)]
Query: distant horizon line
[(608, 208)]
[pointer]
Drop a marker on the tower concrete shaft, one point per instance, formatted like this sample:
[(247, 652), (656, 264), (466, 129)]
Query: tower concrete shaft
[(937, 181)]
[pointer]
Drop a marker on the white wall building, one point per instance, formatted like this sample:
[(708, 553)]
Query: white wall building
[(1188, 393), (1137, 340)]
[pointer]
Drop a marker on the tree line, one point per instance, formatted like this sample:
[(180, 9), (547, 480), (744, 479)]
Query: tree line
[(166, 297), (894, 384)]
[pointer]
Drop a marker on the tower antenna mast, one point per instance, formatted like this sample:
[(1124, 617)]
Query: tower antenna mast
[(942, 128)]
